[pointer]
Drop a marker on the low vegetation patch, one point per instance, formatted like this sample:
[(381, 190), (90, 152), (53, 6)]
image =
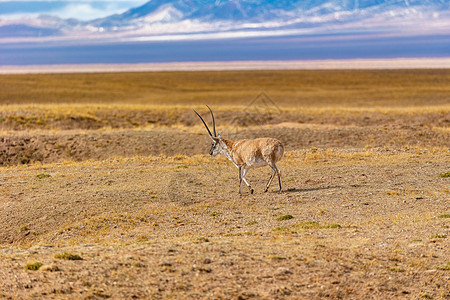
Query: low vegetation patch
[(283, 228), (444, 216), (315, 225), (285, 217), (68, 256), (203, 240), (34, 266), (396, 269), (40, 176), (23, 228), (331, 226), (444, 267), (445, 175), (307, 225), (438, 236), (142, 239)]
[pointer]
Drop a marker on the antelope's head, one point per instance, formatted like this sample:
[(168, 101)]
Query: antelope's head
[(216, 145)]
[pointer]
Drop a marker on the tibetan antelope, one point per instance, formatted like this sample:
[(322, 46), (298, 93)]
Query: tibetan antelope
[(247, 154)]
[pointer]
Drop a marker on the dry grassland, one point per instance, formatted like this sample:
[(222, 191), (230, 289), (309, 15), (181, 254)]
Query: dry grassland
[(106, 190), (291, 89)]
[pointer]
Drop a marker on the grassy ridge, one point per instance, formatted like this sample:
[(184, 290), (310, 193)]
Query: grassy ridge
[(348, 88)]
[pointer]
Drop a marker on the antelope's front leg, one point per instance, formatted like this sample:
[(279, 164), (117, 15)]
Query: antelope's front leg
[(240, 180)]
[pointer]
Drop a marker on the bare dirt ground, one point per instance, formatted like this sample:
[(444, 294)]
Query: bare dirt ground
[(123, 203)]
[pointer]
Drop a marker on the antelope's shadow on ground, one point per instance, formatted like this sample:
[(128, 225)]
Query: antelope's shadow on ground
[(299, 190)]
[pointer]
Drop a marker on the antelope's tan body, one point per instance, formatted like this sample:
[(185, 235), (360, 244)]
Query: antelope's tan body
[(256, 153)]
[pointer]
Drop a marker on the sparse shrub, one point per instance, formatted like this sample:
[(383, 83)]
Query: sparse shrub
[(233, 234), (214, 214), (276, 257), (438, 236), (285, 217), (445, 267), (142, 239), (444, 216), (68, 256), (445, 175), (23, 228), (40, 176), (203, 269), (396, 269), (283, 228), (331, 226), (307, 225), (315, 225), (33, 266), (251, 223)]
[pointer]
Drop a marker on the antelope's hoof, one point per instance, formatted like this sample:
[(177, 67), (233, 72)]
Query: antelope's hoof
[(251, 191)]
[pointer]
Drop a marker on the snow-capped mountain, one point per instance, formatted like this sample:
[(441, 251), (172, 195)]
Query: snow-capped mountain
[(177, 19)]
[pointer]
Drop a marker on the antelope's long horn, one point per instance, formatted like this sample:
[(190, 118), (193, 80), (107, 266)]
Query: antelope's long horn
[(204, 123), (214, 124)]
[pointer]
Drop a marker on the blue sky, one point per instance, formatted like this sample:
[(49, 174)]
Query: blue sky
[(80, 9)]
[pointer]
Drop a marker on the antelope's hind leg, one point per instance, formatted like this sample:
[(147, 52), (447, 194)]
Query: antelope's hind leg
[(276, 170), (270, 180), (279, 176), (244, 172)]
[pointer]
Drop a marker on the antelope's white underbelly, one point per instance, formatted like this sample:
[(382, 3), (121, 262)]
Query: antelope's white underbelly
[(256, 162)]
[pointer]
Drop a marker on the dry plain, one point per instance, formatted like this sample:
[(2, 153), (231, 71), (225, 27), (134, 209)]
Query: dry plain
[(107, 189)]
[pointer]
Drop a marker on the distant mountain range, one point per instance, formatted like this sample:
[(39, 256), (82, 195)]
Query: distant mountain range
[(213, 19)]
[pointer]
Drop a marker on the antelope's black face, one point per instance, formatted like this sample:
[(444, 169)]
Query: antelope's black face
[(215, 148)]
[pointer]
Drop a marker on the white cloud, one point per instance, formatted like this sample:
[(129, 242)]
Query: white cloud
[(80, 9), (84, 11)]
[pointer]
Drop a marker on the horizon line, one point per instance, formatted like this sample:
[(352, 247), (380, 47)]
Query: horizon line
[(256, 65)]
